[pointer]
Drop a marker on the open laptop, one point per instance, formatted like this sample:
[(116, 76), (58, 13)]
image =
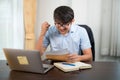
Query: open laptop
[(26, 60)]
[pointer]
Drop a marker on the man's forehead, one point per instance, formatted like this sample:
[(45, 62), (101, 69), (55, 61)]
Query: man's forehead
[(61, 23), (58, 21)]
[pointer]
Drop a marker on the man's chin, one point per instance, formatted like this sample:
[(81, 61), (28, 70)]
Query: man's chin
[(63, 33)]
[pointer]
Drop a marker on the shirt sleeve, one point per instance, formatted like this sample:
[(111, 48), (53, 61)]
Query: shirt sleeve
[(85, 42)]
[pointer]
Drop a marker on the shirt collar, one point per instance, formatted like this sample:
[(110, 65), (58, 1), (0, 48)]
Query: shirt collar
[(72, 28)]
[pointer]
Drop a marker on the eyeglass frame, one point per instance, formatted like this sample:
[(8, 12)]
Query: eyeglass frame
[(62, 25)]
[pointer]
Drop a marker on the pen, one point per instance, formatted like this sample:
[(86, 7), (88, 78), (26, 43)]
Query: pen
[(68, 64)]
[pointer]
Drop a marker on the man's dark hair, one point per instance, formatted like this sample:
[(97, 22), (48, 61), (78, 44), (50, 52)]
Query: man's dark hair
[(64, 14)]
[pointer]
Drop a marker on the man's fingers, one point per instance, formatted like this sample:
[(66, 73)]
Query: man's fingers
[(73, 58)]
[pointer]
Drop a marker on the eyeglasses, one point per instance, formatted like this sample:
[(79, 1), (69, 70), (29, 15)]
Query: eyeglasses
[(62, 25)]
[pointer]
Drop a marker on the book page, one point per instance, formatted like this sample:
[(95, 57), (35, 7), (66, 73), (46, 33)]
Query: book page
[(59, 52), (83, 65)]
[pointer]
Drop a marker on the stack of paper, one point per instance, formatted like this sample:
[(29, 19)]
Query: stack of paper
[(57, 55), (66, 67)]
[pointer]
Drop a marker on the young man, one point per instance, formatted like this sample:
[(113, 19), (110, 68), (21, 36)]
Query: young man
[(65, 35)]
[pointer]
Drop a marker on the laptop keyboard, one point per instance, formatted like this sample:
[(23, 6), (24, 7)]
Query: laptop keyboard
[(46, 66)]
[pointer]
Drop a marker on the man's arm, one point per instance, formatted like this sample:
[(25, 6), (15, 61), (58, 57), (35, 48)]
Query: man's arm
[(87, 56), (39, 45)]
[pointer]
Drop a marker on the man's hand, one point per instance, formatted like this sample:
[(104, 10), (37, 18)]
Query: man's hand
[(73, 58), (44, 28)]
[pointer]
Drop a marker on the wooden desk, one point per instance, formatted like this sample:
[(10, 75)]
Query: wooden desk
[(100, 71)]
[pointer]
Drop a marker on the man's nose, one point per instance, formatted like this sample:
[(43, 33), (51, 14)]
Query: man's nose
[(61, 27)]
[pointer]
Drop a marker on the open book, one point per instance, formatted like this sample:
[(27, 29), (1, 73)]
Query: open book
[(66, 67)]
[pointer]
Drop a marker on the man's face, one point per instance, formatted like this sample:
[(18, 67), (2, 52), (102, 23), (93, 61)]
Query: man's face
[(63, 28)]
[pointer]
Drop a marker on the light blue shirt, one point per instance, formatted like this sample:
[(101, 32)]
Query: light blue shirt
[(74, 41)]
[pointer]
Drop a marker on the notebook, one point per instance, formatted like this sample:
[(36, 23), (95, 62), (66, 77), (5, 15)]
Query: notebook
[(67, 67), (26, 60)]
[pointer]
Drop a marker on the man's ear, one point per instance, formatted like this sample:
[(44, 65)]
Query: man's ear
[(73, 20)]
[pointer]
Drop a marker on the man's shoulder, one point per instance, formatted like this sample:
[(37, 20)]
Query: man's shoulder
[(78, 28), (52, 29)]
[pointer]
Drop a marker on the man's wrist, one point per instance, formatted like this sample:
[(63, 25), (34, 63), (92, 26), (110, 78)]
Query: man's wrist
[(80, 58), (42, 34)]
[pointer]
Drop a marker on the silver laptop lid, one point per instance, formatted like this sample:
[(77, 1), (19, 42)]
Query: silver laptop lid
[(24, 60)]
